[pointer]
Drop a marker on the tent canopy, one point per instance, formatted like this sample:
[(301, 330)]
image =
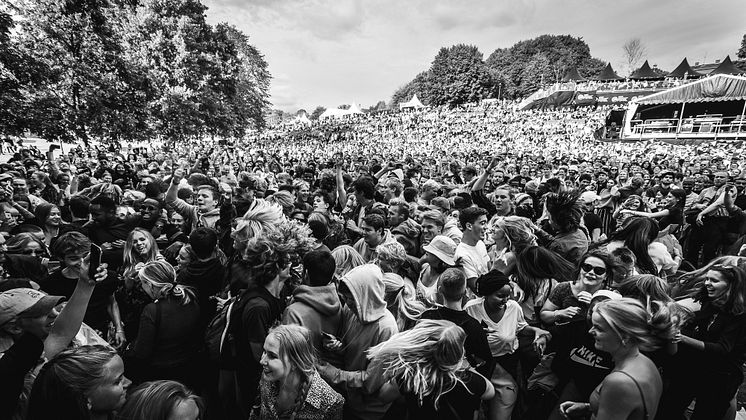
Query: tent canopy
[(412, 103), (572, 75), (727, 67), (644, 73), (333, 112), (684, 69), (354, 108), (608, 74), (721, 87)]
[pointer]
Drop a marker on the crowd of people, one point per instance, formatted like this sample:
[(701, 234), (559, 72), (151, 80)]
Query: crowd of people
[(477, 262)]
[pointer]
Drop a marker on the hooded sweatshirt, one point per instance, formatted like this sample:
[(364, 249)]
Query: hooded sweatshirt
[(206, 277), (369, 324), (318, 309), (206, 219)]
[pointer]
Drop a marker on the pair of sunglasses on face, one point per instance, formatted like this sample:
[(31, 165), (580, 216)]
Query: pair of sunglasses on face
[(599, 271)]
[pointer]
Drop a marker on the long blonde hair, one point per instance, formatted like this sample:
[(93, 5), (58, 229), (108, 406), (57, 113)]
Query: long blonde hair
[(346, 258), (260, 217), (425, 360), (295, 347), (161, 276), (130, 256)]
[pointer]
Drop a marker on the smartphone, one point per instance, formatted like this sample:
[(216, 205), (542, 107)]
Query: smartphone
[(94, 260)]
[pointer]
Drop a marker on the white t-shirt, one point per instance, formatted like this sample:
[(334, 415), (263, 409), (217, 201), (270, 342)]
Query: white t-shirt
[(504, 339), (474, 259)]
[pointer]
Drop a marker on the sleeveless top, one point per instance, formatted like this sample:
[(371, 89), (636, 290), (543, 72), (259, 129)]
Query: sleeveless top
[(596, 396)]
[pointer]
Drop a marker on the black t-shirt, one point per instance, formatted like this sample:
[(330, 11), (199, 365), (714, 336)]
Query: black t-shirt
[(96, 316), (675, 217), (475, 346), (592, 221), (459, 403), (578, 359)]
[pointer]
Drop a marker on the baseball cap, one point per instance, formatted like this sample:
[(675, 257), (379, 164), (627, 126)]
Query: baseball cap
[(442, 247), (589, 197), (28, 303)]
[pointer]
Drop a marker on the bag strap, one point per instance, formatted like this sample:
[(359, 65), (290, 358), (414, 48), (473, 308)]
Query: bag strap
[(227, 324), (157, 317)]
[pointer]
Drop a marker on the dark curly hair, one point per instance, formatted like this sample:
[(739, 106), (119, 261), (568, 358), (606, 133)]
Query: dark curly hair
[(565, 210), (262, 261)]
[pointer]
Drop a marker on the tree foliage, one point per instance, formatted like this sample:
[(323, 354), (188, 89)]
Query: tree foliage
[(742, 51), (544, 59), (317, 113), (120, 69), (457, 75)]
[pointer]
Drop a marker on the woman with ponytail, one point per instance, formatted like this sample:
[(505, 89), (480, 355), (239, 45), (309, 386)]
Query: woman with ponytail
[(401, 301), (624, 328), (168, 338), (426, 365)]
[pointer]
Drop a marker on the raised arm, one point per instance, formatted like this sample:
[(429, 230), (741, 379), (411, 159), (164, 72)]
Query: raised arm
[(479, 183), (68, 323)]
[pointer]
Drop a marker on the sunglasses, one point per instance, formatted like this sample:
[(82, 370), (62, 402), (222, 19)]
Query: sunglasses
[(599, 271)]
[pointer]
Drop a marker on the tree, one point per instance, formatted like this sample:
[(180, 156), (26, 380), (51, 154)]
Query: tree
[(420, 85), (85, 90), (548, 57), (317, 112), (458, 75), (742, 51), (634, 51)]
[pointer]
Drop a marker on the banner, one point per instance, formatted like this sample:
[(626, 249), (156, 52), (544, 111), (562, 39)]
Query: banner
[(609, 97), (584, 97)]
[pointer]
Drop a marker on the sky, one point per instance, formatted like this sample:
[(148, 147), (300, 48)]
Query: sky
[(332, 52)]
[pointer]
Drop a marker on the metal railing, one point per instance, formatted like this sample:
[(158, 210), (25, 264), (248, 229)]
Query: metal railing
[(726, 127)]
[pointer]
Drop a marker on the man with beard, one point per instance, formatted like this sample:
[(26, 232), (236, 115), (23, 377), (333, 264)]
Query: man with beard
[(664, 187)]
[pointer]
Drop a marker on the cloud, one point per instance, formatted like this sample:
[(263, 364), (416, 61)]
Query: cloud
[(324, 19), (478, 15)]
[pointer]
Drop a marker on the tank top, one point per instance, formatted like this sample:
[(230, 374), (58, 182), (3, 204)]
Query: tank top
[(596, 396)]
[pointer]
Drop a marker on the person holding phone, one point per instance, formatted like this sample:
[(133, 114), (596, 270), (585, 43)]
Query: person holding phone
[(71, 249)]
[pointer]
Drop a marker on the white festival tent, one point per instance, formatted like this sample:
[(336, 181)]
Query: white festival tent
[(354, 109), (302, 119), (412, 103), (336, 112)]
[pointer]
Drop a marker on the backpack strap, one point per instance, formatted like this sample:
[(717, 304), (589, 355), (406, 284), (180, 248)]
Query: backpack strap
[(227, 324)]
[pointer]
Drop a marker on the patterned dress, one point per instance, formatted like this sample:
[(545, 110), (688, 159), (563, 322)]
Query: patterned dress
[(319, 402)]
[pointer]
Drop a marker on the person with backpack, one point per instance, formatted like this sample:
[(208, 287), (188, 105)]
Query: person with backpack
[(265, 266), (204, 273)]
